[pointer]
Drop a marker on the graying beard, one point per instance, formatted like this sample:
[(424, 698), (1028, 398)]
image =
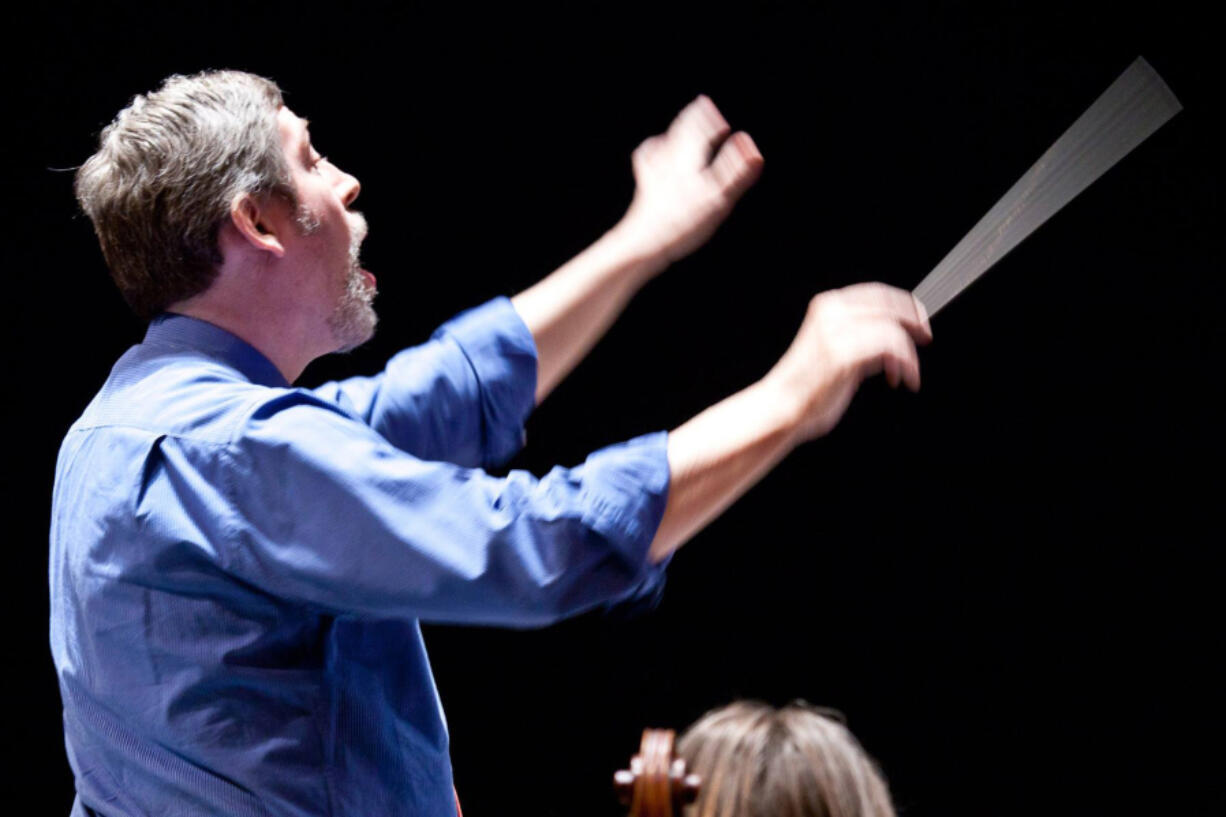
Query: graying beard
[(353, 321)]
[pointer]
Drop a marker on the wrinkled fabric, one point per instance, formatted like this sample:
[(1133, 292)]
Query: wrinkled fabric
[(238, 567)]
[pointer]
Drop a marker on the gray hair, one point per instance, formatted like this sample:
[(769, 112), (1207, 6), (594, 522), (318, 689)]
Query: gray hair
[(166, 171), (798, 761)]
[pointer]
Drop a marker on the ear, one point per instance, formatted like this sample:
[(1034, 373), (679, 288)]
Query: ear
[(260, 222)]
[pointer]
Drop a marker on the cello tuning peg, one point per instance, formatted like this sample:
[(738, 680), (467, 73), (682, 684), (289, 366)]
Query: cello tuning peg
[(656, 784), (690, 786), (685, 787), (623, 783)]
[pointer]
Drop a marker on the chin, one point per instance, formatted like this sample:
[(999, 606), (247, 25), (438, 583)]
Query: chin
[(353, 319), (352, 328)]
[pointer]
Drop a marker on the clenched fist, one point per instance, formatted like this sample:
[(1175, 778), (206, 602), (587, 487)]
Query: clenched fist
[(682, 194)]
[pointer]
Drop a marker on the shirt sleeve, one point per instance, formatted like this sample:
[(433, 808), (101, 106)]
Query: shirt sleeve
[(328, 513), (462, 397)]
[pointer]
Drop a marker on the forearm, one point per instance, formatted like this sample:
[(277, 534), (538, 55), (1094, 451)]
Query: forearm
[(720, 454), (572, 308)]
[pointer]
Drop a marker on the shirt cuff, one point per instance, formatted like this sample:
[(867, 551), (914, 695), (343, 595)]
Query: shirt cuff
[(626, 489), (502, 353)]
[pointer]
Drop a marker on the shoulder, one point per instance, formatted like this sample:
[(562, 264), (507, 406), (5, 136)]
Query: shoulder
[(194, 397), (294, 427), (294, 411)]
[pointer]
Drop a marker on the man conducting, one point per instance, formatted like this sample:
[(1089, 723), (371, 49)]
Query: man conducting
[(238, 566)]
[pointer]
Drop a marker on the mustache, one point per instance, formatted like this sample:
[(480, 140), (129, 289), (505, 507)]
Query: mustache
[(359, 226)]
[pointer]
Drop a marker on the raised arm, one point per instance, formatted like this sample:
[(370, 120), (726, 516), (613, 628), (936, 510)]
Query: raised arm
[(847, 335), (681, 197)]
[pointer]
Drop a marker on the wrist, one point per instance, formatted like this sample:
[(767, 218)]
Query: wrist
[(634, 245), (784, 408)]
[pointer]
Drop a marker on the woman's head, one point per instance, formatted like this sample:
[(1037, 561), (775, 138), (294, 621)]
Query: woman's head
[(796, 761)]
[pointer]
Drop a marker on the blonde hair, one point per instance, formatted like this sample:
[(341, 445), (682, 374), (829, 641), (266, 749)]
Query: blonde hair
[(165, 173), (796, 761)]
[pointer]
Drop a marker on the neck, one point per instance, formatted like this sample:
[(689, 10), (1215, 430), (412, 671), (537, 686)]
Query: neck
[(271, 338), (268, 319)]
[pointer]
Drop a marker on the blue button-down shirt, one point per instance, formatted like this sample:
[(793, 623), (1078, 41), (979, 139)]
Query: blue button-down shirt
[(238, 567)]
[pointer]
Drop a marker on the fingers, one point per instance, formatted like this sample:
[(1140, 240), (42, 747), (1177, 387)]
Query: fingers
[(902, 306), (891, 349), (697, 130), (923, 314), (869, 329), (737, 165), (901, 360)]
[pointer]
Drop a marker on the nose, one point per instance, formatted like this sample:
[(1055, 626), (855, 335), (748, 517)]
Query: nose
[(350, 188)]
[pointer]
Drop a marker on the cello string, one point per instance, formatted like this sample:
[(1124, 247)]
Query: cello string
[(1126, 114)]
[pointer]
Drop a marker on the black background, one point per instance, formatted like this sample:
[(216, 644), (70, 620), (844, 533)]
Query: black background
[(1008, 582)]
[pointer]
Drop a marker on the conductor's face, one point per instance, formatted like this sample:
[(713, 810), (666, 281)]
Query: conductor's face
[(330, 236)]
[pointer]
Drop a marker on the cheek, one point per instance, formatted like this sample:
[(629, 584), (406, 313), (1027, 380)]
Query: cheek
[(308, 220)]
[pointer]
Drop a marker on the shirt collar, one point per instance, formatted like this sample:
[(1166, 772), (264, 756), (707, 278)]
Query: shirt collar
[(172, 329)]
